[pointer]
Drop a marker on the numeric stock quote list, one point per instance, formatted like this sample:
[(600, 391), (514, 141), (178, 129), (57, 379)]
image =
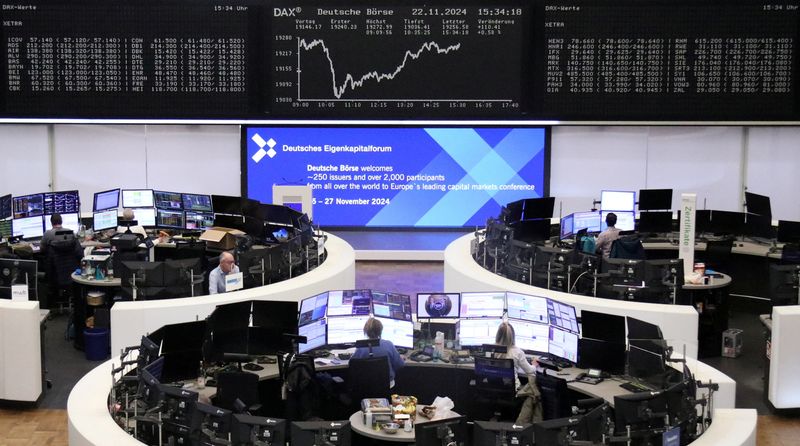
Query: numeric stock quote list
[(598, 60)]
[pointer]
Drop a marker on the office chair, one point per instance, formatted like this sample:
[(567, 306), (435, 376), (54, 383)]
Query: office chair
[(495, 389), (63, 257), (790, 254), (555, 396), (519, 262), (367, 378), (628, 247), (718, 254), (300, 390), (237, 385)]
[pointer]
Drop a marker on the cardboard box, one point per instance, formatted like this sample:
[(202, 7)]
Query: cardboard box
[(221, 238)]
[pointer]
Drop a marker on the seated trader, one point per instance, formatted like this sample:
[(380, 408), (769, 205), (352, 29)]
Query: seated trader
[(56, 221), (216, 280), (127, 215), (531, 411), (607, 237), (373, 330)]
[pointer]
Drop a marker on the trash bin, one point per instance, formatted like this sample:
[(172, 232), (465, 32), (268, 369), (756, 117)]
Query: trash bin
[(731, 343), (96, 342)]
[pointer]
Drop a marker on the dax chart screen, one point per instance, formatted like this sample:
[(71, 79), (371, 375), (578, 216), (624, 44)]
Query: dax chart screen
[(390, 60), (399, 176)]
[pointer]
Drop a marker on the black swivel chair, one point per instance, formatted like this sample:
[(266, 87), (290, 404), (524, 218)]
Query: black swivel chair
[(495, 389), (63, 257), (628, 247), (555, 396), (237, 385), (367, 378), (718, 254)]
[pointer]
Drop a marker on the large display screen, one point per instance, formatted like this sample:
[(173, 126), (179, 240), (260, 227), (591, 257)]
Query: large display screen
[(562, 315), (313, 308), (563, 344), (489, 304), (400, 333), (68, 221), (400, 176), (315, 333), (346, 330), (391, 305)]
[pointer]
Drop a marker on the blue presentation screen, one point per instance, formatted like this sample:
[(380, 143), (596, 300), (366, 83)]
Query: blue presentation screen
[(399, 176)]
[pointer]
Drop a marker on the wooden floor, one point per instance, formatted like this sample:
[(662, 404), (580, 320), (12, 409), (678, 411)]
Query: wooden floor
[(48, 427)]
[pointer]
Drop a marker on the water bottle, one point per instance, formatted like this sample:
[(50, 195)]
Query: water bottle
[(407, 426)]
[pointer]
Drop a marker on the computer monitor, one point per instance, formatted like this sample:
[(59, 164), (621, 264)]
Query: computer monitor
[(313, 308), (609, 357), (170, 219), (346, 329), (108, 199), (645, 361), (528, 308), (758, 204), (145, 216), (197, 202), (513, 211), (587, 220), (316, 334), (149, 389), (168, 200), (6, 229), (17, 271), (655, 199), (62, 202), (438, 305), (567, 227), (654, 221), (178, 404), (638, 329), (137, 198), (280, 316), (784, 284), (104, 220), (199, 220), (276, 214), (349, 302), (530, 336), (482, 304), (563, 344), (335, 433), (538, 208), (400, 333), (224, 204), (147, 274), (626, 221), (496, 432), (249, 429), (530, 231), (603, 327), (391, 305), (558, 431), (788, 231), (562, 315), (149, 351), (5, 207), (439, 432), (28, 227), (627, 271), (28, 206), (759, 226), (617, 200), (213, 423), (726, 222), (702, 220), (476, 332), (642, 412), (68, 221)]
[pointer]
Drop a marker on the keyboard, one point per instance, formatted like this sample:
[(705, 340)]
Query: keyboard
[(635, 387)]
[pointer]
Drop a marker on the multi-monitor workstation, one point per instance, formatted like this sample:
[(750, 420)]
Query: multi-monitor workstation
[(542, 325), (154, 209)]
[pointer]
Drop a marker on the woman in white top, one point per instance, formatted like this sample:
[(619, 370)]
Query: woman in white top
[(531, 411)]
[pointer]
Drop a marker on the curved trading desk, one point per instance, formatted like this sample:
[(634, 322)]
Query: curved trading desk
[(678, 322), (91, 424), (130, 320)]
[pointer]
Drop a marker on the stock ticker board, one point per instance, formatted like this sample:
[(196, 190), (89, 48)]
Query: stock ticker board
[(598, 60)]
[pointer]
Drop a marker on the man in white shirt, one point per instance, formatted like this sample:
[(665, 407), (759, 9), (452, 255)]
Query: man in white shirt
[(607, 237), (216, 280)]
